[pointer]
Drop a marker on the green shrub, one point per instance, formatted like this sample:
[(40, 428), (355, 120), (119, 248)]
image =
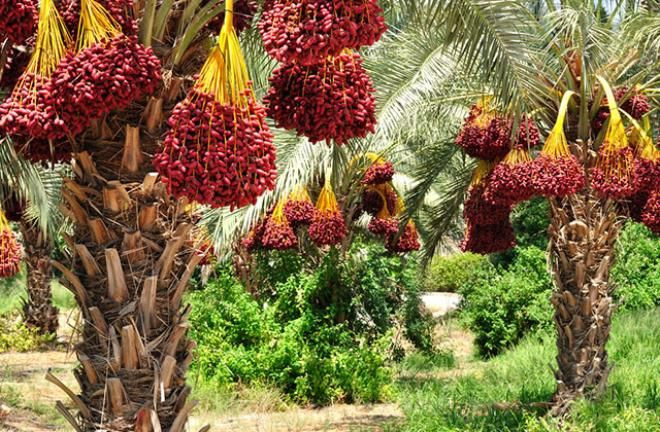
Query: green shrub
[(309, 358), (451, 273), (501, 309), (636, 271), (16, 337)]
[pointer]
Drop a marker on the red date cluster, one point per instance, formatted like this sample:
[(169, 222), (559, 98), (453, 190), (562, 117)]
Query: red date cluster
[(510, 184), (488, 227), (331, 100), (252, 240), (408, 242), (278, 235), (305, 31), (120, 10), (299, 212), (637, 105), (479, 211), (647, 174), (107, 76), (378, 173), (11, 253), (651, 212), (18, 19), (557, 177), (488, 239), (244, 11), (328, 228), (217, 154), (613, 175), (383, 226), (33, 111), (484, 135)]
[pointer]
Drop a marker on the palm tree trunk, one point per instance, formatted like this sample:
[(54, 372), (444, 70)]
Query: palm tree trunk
[(583, 233), (38, 311), (133, 259)]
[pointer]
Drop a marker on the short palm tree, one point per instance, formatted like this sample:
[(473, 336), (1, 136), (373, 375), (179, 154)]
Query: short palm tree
[(525, 55)]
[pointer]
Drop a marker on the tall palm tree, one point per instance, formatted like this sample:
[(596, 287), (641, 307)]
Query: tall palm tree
[(526, 55), (132, 245)]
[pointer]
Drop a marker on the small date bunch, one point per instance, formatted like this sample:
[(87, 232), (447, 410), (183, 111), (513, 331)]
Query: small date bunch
[(304, 31), (219, 150), (252, 240), (613, 175), (18, 20), (488, 239), (278, 234), (488, 229), (299, 208), (512, 180), (328, 227), (407, 242), (11, 252), (556, 171), (380, 171), (331, 100), (651, 212), (383, 223), (634, 102), (647, 160), (485, 133)]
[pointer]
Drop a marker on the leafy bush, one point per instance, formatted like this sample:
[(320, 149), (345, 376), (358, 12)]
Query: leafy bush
[(320, 331), (16, 337), (450, 273), (502, 308), (636, 271)]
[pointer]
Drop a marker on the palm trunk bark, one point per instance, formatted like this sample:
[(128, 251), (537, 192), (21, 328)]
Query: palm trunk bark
[(133, 259), (39, 312), (583, 233)]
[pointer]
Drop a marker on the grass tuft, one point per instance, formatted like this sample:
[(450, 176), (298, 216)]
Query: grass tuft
[(507, 392)]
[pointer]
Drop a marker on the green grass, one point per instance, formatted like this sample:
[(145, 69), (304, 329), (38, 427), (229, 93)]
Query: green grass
[(498, 396)]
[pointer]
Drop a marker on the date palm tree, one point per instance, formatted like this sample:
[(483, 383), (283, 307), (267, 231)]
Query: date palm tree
[(37, 189), (525, 55)]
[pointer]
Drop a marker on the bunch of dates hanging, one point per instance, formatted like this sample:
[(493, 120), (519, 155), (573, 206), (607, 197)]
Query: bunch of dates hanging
[(219, 150), (306, 31), (109, 69), (328, 227), (328, 101), (33, 114), (11, 252)]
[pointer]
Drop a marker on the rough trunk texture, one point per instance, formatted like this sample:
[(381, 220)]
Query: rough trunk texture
[(583, 233), (133, 259), (38, 311)]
